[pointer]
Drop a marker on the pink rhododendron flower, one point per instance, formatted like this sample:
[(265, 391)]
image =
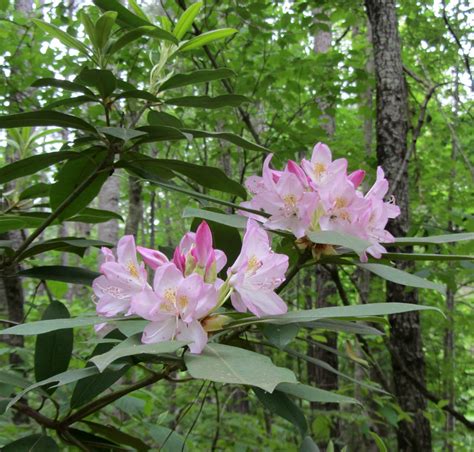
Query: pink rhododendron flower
[(121, 278), (256, 273), (287, 199), (174, 307), (321, 168), (320, 195)]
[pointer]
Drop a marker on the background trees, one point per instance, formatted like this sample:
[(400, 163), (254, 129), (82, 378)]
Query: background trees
[(294, 93)]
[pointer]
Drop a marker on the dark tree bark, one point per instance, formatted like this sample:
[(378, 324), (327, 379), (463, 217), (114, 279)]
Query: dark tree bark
[(391, 134)]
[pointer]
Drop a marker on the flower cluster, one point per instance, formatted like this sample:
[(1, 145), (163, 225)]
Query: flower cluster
[(186, 290), (319, 195)]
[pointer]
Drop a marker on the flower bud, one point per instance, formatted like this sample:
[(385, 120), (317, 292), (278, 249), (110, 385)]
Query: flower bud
[(215, 322)]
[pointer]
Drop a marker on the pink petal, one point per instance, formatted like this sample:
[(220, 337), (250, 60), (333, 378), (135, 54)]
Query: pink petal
[(126, 250), (321, 154), (159, 331), (146, 304), (167, 276), (153, 258), (193, 332), (356, 177)]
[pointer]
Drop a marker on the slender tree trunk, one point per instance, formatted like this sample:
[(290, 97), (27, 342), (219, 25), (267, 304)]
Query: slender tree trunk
[(109, 200), (135, 206), (392, 128), (450, 293)]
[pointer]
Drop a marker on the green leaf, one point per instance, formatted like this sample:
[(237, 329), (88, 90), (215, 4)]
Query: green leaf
[(121, 133), (123, 14), (186, 20), (280, 404), (401, 277), (102, 79), (225, 364), (65, 244), (45, 326), (12, 379), (227, 136), (92, 442), (339, 239), (71, 176), (32, 443), (313, 394), (90, 387), (308, 445), (379, 442), (129, 19), (54, 349), (137, 348), (335, 312), (207, 176), (205, 38), (331, 369), (72, 275), (343, 325), (89, 215), (88, 26), (280, 335), (161, 133), (103, 28), (199, 76), (33, 164), (70, 102), (138, 11), (63, 84), (197, 195), (225, 100), (137, 33), (64, 378), (137, 94), (166, 439), (117, 436), (44, 118), (13, 222), (434, 239), (40, 190), (160, 118), (232, 220), (426, 257), (65, 38)]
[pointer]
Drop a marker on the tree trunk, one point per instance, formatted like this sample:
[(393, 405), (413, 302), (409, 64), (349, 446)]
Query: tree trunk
[(450, 293), (109, 200), (392, 128), (135, 206)]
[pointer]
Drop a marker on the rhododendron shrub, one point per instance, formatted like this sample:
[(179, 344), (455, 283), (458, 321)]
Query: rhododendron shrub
[(215, 308)]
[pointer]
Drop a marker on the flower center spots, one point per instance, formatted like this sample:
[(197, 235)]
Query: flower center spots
[(344, 215), (340, 203), (253, 264), (319, 169), (182, 302), (170, 295), (133, 270), (290, 201)]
